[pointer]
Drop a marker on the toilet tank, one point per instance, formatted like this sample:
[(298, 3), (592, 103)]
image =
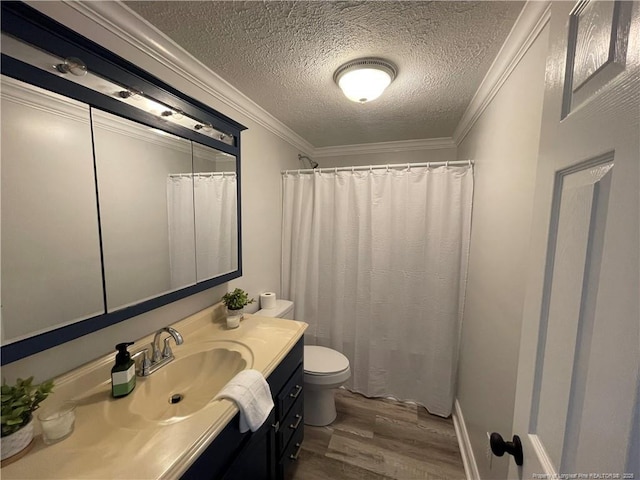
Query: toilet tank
[(284, 309)]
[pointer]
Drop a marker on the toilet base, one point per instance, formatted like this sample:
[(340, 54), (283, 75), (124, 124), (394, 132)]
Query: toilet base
[(319, 407)]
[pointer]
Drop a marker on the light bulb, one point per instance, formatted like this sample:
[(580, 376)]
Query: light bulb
[(74, 66), (130, 93)]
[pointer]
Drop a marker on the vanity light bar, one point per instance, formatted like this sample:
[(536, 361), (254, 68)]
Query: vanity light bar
[(74, 70)]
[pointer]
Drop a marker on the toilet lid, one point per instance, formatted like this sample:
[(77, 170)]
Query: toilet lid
[(323, 360)]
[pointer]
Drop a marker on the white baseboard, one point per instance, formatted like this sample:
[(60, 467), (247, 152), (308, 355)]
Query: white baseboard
[(468, 459)]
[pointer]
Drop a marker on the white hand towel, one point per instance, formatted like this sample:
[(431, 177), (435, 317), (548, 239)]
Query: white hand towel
[(252, 394)]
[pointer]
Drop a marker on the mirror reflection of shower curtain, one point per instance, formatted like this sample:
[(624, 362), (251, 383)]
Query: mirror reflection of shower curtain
[(215, 198), (182, 244), (212, 203)]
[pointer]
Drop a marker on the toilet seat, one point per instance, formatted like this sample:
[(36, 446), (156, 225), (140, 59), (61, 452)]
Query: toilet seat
[(323, 361), (316, 374)]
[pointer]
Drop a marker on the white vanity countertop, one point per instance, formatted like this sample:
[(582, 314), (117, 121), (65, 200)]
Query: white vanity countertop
[(101, 449)]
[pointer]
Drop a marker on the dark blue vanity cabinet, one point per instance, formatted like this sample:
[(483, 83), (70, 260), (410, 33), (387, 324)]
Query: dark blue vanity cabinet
[(267, 453)]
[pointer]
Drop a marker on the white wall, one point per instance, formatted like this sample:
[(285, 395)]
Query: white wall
[(504, 144), (409, 156), (264, 155)]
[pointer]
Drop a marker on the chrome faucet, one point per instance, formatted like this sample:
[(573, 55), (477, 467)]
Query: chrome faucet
[(157, 358), (156, 355)]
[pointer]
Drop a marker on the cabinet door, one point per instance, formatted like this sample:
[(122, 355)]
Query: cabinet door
[(290, 393), (257, 458), (290, 425), (290, 453)]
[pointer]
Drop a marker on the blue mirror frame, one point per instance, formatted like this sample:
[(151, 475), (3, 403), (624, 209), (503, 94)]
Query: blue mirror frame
[(27, 24)]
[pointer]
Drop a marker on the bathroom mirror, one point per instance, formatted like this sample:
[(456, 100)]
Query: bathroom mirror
[(133, 167), (119, 193), (50, 274)]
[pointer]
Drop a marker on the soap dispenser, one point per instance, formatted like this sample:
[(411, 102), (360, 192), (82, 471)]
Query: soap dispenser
[(123, 373)]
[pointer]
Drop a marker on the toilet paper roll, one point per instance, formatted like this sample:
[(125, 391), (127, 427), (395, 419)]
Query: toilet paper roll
[(268, 300)]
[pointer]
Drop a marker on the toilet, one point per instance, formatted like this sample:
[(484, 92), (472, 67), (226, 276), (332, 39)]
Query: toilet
[(324, 370)]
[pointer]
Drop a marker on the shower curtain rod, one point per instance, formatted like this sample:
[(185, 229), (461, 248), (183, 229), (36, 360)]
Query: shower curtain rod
[(386, 167), (203, 174)]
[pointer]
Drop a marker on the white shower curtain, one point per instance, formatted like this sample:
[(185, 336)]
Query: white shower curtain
[(376, 263), (182, 243), (212, 249)]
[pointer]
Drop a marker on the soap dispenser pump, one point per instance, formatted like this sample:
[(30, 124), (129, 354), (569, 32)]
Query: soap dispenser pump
[(123, 373)]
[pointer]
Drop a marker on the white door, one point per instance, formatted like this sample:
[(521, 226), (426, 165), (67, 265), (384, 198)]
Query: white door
[(577, 393)]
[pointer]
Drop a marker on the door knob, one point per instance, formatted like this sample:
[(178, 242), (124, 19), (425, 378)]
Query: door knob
[(499, 447)]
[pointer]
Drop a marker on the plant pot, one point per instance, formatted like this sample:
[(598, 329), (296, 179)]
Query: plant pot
[(234, 317), (17, 441)]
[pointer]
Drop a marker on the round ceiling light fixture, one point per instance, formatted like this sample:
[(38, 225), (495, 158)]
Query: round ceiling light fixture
[(365, 79)]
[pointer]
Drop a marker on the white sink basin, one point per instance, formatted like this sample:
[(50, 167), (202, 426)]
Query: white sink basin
[(183, 387)]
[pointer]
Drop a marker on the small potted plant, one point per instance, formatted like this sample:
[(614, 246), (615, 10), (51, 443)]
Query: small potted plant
[(18, 404), (235, 302)]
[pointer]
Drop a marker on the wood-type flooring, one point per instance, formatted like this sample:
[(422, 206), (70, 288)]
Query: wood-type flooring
[(376, 439)]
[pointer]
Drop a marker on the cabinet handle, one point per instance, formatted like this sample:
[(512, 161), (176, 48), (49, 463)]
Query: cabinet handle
[(298, 390), (293, 426), (294, 456)]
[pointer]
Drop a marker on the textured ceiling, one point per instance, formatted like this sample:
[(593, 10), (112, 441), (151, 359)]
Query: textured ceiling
[(283, 55)]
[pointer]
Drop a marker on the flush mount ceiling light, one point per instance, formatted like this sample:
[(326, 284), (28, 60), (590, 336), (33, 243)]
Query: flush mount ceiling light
[(365, 79)]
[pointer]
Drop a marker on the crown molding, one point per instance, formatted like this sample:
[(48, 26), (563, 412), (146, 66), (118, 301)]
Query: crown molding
[(385, 147), (128, 26), (43, 100), (532, 19), (137, 131)]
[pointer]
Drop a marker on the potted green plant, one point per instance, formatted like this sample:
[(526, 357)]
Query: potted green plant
[(19, 401), (235, 302)]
